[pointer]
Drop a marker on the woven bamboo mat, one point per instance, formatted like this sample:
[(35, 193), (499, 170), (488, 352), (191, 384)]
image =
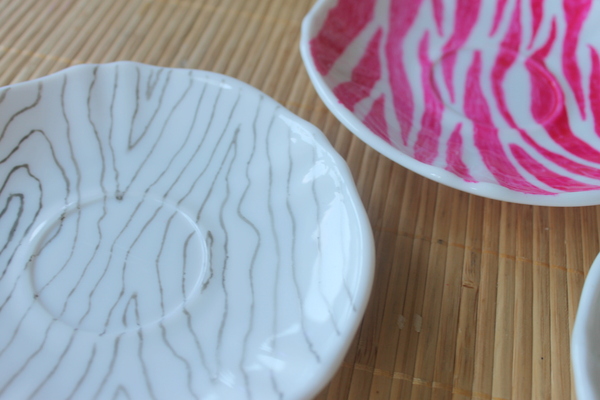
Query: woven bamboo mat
[(473, 298)]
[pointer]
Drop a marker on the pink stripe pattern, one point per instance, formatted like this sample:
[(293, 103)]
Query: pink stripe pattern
[(454, 161), (364, 76), (499, 92), (575, 13), (498, 16), (464, 21), (438, 13), (537, 12), (344, 22), (402, 16), (594, 85), (375, 119), (426, 148), (487, 139)]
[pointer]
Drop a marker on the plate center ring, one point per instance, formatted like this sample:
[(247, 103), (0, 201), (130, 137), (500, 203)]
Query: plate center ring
[(113, 264)]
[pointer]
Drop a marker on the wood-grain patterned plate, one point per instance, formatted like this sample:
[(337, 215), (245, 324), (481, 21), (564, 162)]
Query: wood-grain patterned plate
[(169, 233)]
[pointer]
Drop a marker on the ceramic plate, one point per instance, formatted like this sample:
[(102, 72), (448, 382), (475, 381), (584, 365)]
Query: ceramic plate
[(497, 98), (171, 234), (585, 347)]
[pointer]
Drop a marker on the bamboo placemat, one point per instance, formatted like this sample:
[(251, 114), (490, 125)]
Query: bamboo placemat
[(473, 298)]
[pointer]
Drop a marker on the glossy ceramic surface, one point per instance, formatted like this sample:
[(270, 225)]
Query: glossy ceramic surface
[(496, 98), (585, 346), (171, 234)]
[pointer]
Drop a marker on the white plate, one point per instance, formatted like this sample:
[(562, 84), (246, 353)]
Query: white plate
[(494, 98), (585, 340), (171, 234)]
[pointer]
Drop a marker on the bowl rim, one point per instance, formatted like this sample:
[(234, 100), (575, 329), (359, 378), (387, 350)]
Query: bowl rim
[(355, 206), (580, 342), (357, 127)]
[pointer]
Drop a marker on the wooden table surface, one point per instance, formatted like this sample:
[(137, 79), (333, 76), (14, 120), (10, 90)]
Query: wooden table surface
[(473, 298)]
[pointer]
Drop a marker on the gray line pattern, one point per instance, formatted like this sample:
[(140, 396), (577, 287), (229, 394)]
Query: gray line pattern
[(170, 234)]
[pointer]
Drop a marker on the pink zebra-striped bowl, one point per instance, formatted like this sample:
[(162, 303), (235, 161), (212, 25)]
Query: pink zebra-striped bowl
[(500, 99)]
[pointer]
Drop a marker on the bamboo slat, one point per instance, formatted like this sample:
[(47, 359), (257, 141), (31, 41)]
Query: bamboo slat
[(473, 298)]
